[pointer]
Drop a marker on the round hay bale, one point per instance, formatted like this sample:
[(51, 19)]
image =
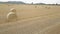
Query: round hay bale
[(11, 16)]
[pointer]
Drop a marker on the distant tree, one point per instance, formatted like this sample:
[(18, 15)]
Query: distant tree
[(40, 3), (56, 4), (32, 3)]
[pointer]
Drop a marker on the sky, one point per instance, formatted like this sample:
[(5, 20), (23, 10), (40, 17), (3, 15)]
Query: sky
[(36, 1)]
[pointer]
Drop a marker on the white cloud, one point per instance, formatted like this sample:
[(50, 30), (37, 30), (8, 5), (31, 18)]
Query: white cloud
[(36, 1)]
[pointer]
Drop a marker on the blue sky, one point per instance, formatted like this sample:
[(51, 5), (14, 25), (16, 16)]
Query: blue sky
[(37, 1)]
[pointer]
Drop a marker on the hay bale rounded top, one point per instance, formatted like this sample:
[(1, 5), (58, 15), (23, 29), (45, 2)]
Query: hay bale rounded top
[(12, 10)]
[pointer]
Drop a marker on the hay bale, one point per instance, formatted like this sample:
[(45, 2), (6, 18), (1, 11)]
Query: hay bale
[(11, 16)]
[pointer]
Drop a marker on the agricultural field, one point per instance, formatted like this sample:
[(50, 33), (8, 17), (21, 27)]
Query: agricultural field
[(32, 19), (29, 11)]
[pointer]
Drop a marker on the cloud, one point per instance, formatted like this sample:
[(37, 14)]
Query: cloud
[(36, 1)]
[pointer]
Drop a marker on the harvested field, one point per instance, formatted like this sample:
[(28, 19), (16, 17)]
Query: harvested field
[(28, 11), (32, 19)]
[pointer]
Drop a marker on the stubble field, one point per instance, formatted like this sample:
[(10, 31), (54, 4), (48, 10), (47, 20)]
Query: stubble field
[(29, 11)]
